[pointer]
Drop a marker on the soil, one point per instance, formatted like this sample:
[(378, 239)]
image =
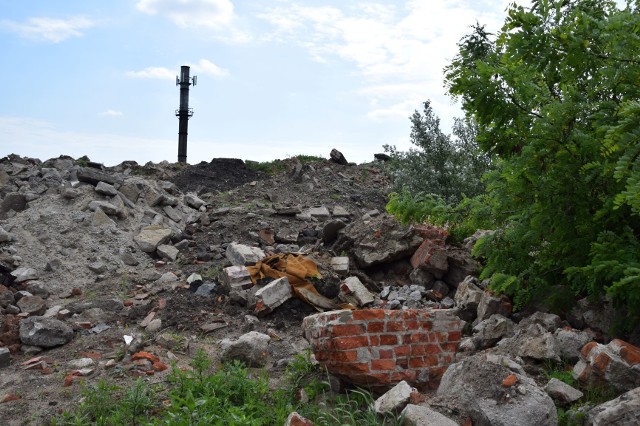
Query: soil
[(240, 203)]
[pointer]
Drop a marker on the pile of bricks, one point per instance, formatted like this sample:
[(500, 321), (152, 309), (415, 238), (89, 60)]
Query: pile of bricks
[(379, 348)]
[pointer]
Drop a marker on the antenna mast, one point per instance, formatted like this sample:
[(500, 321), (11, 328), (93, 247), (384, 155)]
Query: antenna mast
[(184, 112)]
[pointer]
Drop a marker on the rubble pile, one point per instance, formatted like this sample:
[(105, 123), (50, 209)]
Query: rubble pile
[(119, 271)]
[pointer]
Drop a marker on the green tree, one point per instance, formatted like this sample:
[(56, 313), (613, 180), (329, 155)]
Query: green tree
[(438, 164), (555, 95)]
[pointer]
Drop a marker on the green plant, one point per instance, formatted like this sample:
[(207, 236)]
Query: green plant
[(100, 406), (305, 159), (553, 98), (447, 167), (269, 167), (461, 219)]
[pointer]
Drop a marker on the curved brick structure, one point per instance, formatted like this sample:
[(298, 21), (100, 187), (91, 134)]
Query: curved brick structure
[(379, 347)]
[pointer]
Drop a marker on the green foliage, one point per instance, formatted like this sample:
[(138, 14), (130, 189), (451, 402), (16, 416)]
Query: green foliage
[(305, 159), (232, 396), (269, 167), (462, 219), (106, 404), (445, 166), (555, 97)]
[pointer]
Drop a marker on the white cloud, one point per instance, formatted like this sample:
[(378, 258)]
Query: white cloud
[(399, 51), (111, 113), (49, 29), (161, 73), (190, 13), (204, 66)]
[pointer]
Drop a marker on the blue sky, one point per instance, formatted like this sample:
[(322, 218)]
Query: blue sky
[(276, 78)]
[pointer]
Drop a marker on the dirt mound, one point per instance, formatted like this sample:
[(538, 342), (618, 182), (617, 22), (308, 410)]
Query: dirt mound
[(221, 174)]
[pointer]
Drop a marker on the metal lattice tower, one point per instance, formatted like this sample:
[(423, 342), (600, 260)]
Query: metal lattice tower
[(184, 112)]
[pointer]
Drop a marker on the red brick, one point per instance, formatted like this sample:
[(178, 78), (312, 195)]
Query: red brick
[(401, 350), (601, 362), (426, 325), (383, 364), (368, 314), (345, 356), (350, 369), (398, 376), (402, 362), (418, 362), (432, 361), (510, 380), (628, 352), (419, 338), (321, 356), (346, 330), (432, 349), (437, 336), (395, 326), (388, 339), (586, 349), (411, 325), (375, 327), (449, 347), (431, 232), (374, 340), (418, 350), (435, 373), (406, 339), (371, 379), (454, 336), (351, 342), (385, 354), (409, 314)]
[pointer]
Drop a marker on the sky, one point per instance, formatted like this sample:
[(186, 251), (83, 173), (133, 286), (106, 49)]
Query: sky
[(275, 78)]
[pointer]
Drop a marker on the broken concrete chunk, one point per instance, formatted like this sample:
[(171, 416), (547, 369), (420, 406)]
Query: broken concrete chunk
[(353, 291), (105, 206), (6, 237), (106, 189), (250, 348), (44, 332), (394, 400), (172, 213), (193, 201), (97, 267), (243, 255), (237, 277), (13, 201), (94, 176), (320, 213), (339, 211), (153, 198), (337, 157), (100, 218), (24, 274), (562, 392), (273, 295), (622, 411), (420, 415), (33, 305), (151, 237), (168, 252), (340, 264)]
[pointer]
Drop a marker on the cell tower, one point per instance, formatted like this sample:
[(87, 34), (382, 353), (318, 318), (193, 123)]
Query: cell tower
[(184, 112)]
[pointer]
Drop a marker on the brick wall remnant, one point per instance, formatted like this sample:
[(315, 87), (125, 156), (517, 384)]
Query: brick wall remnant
[(379, 348)]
